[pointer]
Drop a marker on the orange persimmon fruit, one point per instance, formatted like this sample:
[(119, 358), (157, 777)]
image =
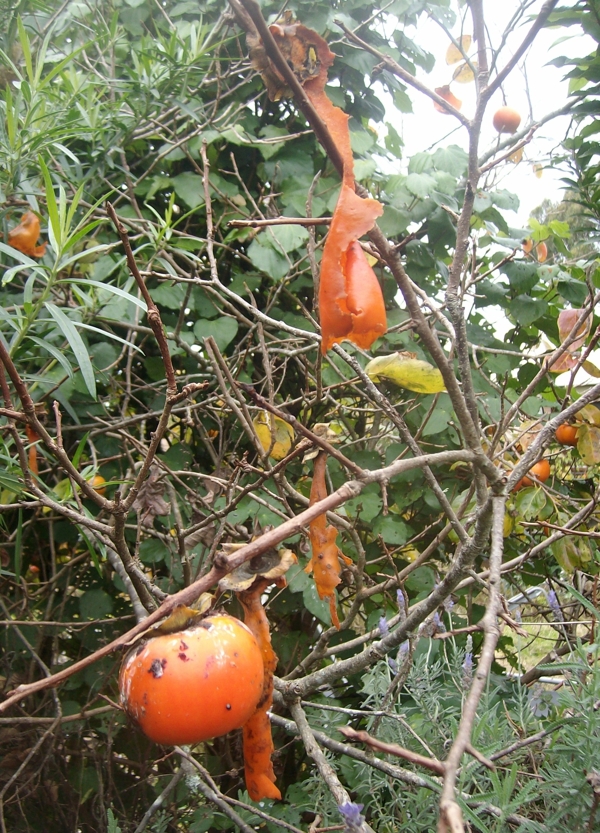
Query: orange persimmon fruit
[(24, 236), (506, 120), (197, 683), (566, 434), (540, 471)]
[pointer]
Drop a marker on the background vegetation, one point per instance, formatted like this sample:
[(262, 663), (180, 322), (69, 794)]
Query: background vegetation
[(156, 109)]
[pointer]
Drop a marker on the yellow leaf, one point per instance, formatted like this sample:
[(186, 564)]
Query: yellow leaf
[(275, 434), (454, 54), (591, 368), (517, 156), (538, 170), (464, 74), (588, 444), (405, 370), (589, 414), (572, 553)]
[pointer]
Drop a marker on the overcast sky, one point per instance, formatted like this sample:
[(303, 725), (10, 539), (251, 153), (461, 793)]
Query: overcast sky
[(547, 92)]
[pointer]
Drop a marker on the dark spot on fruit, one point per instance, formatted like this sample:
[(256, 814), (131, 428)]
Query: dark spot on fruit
[(228, 706), (157, 668), (183, 646), (183, 657), (236, 653), (320, 556)]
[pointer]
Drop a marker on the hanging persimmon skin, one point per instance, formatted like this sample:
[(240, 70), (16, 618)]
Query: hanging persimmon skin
[(256, 732), (325, 561), (351, 303), (24, 236)]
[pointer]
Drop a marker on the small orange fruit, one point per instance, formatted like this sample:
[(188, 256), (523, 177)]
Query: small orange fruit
[(198, 683), (506, 120), (97, 483), (566, 434), (541, 252), (541, 471)]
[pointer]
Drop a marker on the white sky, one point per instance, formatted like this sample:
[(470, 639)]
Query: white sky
[(547, 92)]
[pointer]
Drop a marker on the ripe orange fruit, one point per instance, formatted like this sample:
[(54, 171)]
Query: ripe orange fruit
[(541, 471), (506, 120), (198, 683), (97, 483), (566, 434), (541, 252)]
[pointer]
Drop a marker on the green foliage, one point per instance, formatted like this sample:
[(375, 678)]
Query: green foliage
[(157, 110)]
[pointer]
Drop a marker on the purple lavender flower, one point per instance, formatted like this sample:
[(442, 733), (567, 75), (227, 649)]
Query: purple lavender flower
[(554, 606), (384, 628), (404, 646), (393, 665), (448, 604), (438, 624), (352, 817)]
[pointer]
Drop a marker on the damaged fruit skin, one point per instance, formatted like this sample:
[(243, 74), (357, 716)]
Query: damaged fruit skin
[(195, 684)]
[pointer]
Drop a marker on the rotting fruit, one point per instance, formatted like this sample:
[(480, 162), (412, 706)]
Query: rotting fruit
[(566, 434), (198, 683), (506, 120)]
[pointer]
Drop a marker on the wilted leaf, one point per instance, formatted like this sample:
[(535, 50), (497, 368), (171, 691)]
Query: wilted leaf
[(150, 502), (572, 553), (454, 54), (275, 434), (567, 319), (517, 156), (591, 368), (589, 414), (271, 564), (588, 444), (405, 370), (463, 74), (446, 93), (538, 170)]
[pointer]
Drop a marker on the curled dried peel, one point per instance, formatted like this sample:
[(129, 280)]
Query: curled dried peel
[(24, 236), (351, 303), (325, 560), (256, 732)]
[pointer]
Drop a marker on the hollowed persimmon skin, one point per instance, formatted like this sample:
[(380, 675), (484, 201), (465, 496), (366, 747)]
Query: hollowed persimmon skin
[(196, 684)]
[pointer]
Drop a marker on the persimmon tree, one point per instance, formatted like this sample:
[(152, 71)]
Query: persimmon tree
[(253, 359)]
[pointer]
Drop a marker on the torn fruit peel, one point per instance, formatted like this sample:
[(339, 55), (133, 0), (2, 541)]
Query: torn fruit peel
[(325, 560), (256, 732), (25, 236), (351, 304)]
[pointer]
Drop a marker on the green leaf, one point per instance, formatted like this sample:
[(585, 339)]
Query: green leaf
[(222, 329), (190, 188), (107, 287), (95, 604), (76, 344), (392, 529), (290, 237), (267, 260), (420, 184), (526, 310)]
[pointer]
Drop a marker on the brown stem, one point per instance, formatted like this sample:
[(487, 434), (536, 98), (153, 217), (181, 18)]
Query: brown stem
[(273, 53), (393, 749), (154, 318)]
